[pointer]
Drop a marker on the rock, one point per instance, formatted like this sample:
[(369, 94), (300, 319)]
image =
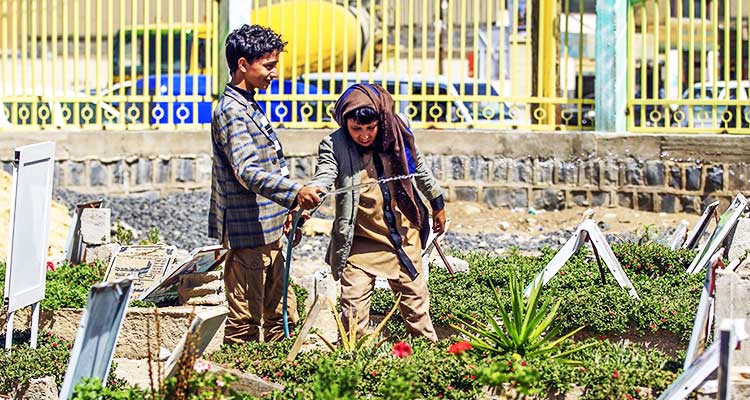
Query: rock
[(459, 266), (38, 389), (317, 226), (504, 225), (470, 209), (95, 225)]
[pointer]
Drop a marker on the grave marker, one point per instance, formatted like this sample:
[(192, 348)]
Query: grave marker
[(200, 260), (74, 247), (96, 226), (201, 331), (28, 231), (700, 227), (724, 227), (146, 265), (587, 231), (704, 313), (708, 362), (97, 334)]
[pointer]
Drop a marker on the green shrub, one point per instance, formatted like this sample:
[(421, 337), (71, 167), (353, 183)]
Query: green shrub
[(669, 296), (23, 363)]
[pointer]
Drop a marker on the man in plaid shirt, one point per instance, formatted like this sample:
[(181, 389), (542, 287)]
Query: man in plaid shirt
[(251, 192)]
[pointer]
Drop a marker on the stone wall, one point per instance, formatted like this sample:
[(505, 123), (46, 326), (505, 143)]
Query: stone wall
[(669, 173)]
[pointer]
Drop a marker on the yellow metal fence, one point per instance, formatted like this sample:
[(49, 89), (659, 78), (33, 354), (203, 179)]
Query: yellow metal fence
[(153, 64), (688, 66), (473, 63), (107, 64)]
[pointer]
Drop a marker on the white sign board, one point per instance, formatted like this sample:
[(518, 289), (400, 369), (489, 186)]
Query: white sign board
[(587, 231), (31, 195), (97, 334), (200, 260)]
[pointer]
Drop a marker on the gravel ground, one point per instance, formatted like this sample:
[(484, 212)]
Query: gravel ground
[(182, 221)]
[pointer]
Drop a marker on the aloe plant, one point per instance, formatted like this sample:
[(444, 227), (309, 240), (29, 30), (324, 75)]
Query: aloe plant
[(350, 343), (525, 328)]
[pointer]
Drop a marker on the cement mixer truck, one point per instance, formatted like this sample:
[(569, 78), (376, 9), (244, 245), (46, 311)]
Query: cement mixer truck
[(312, 47)]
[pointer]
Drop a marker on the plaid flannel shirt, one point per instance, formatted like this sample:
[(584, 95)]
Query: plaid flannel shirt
[(250, 195)]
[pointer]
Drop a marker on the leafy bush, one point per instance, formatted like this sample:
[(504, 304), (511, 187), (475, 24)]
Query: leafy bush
[(606, 370), (68, 285), (669, 296), (23, 363)]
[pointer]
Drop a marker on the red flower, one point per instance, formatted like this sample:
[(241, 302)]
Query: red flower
[(374, 373), (277, 373), (615, 374), (523, 363), (50, 266), (460, 347), (54, 344), (401, 349), (663, 320), (652, 325)]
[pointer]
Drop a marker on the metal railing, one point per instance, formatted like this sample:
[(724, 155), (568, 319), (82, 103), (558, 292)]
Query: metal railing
[(153, 64), (474, 63), (106, 64), (688, 66)]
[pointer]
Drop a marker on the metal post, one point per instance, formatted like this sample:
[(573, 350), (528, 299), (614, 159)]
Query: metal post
[(34, 324), (9, 331), (726, 347), (611, 65)]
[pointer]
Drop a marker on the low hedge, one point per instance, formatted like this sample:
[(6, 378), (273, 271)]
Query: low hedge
[(669, 296)]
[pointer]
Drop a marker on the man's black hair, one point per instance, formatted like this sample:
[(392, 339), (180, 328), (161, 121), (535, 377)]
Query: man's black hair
[(251, 42), (362, 115)]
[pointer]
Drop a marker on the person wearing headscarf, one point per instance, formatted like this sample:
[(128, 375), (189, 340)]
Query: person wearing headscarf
[(378, 230)]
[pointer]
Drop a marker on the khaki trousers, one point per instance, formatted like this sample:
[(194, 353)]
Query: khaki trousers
[(254, 281), (356, 292)]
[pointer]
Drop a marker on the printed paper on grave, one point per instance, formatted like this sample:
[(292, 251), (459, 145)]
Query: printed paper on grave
[(202, 329), (202, 259), (726, 223), (146, 265)]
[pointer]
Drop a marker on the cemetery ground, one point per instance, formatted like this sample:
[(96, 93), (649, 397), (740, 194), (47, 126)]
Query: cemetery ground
[(493, 344)]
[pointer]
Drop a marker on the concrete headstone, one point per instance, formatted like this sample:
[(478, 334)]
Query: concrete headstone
[(95, 225), (741, 243)]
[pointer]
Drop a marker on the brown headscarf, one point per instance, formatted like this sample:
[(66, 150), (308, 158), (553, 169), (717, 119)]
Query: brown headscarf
[(396, 147)]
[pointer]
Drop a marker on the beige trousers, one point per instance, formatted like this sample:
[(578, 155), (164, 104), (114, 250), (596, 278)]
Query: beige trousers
[(254, 280), (356, 292)]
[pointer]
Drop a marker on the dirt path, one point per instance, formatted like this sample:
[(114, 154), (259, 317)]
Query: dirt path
[(467, 217)]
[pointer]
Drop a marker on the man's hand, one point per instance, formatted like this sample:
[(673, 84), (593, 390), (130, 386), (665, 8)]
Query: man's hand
[(290, 220), (438, 221), (308, 197)]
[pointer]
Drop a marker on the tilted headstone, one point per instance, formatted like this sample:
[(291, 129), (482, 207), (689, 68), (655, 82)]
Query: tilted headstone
[(97, 334), (196, 339), (701, 226), (145, 265), (725, 226)]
